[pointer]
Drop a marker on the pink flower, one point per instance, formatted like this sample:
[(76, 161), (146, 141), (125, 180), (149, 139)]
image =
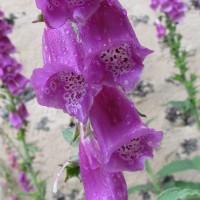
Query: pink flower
[(57, 12), (62, 83), (113, 52), (161, 31), (13, 159), (124, 140), (99, 184)]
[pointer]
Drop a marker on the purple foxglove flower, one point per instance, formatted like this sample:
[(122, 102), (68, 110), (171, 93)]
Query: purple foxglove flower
[(6, 45), (23, 181), (174, 9), (161, 31), (97, 183), (166, 5), (61, 46), (57, 12), (16, 84), (61, 83), (4, 28), (178, 11), (14, 198), (22, 111), (13, 160), (15, 120), (9, 66), (112, 49), (1, 14), (124, 140), (60, 86), (154, 4)]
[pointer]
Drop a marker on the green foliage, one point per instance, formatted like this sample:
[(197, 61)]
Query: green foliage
[(173, 39), (137, 188), (178, 194), (158, 183), (72, 170), (70, 137), (185, 106), (179, 166)]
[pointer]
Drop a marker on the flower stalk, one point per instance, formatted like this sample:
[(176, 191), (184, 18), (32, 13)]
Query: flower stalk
[(173, 40)]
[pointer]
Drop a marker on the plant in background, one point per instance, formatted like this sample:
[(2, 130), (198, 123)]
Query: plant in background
[(92, 58), (13, 83), (165, 186), (172, 13)]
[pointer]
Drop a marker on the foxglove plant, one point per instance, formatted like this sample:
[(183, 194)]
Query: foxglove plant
[(90, 54), (13, 83), (172, 13)]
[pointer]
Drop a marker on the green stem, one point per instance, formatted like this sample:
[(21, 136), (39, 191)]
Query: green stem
[(28, 162), (38, 193), (154, 179), (173, 39)]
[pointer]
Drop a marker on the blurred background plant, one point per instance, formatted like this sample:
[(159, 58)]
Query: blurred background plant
[(20, 178)]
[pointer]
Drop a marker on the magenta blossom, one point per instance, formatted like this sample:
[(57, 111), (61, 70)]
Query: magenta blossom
[(17, 118), (161, 31), (14, 198), (23, 181), (124, 140), (154, 4), (9, 66), (16, 84), (112, 49), (4, 28), (99, 184), (57, 12), (6, 46), (61, 83), (175, 9), (13, 160)]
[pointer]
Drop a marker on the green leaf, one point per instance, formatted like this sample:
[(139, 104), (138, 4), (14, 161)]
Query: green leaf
[(43, 185), (196, 163), (25, 195), (178, 194), (148, 168), (176, 166), (33, 148), (72, 170), (70, 137), (187, 185), (179, 166), (182, 105), (137, 188)]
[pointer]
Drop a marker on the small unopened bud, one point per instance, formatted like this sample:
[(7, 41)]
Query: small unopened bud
[(40, 18)]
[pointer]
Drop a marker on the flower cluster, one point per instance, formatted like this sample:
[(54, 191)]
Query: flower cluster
[(175, 9), (89, 66), (10, 74)]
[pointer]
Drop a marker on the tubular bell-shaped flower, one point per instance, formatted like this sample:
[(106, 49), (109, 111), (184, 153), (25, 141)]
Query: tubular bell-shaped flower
[(9, 66), (154, 4), (4, 28), (61, 83), (99, 184), (175, 9), (16, 84), (112, 48), (161, 31), (124, 140), (6, 46), (23, 181), (57, 12)]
